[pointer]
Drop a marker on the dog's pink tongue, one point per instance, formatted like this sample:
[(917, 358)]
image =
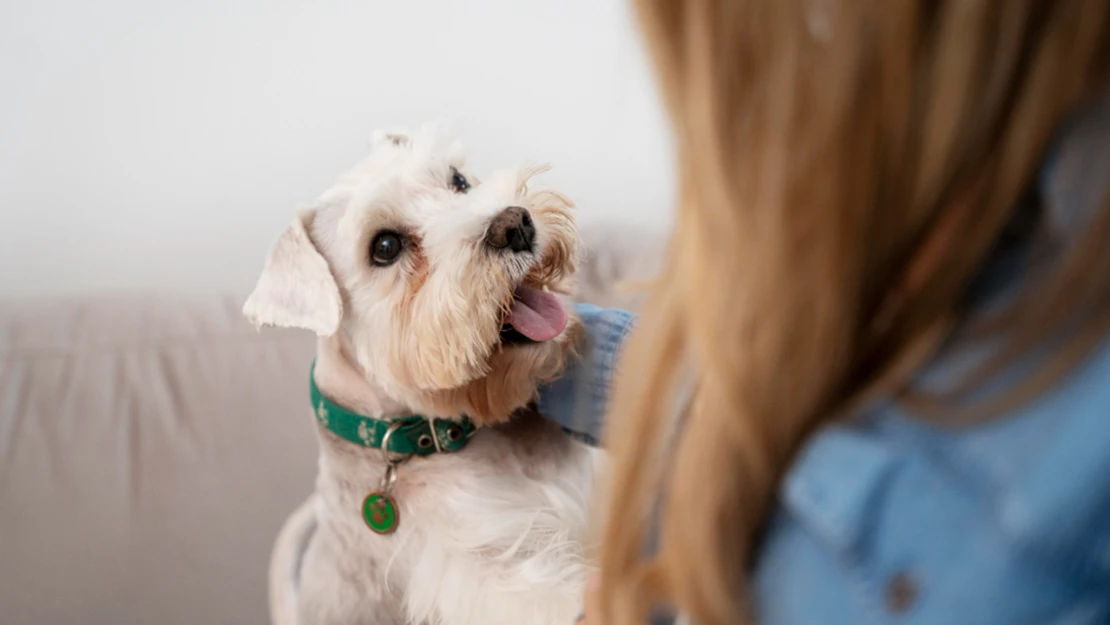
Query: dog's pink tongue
[(537, 314)]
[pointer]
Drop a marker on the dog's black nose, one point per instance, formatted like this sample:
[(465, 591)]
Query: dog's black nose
[(512, 228)]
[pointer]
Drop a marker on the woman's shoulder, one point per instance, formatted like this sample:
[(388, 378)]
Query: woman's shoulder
[(1043, 470), (1040, 474), (1000, 520)]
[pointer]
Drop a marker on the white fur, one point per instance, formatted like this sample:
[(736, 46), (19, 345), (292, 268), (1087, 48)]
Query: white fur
[(495, 533), (297, 290)]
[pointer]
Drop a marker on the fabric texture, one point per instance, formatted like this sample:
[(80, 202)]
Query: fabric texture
[(150, 448), (578, 400)]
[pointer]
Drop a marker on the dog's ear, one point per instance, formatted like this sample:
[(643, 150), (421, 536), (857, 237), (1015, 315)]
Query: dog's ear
[(296, 288)]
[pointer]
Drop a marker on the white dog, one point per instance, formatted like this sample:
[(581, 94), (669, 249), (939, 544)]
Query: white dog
[(432, 296)]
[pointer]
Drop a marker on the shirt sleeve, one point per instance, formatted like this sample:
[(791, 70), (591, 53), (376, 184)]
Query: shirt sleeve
[(578, 400)]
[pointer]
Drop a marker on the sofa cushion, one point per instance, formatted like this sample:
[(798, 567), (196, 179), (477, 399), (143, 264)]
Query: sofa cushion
[(150, 449)]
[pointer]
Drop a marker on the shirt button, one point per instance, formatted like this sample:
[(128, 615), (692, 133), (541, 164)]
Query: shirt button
[(901, 592)]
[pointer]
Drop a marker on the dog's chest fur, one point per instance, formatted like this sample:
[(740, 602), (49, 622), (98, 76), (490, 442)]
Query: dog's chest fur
[(495, 533)]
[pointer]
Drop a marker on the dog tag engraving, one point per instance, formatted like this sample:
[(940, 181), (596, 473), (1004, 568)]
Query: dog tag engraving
[(380, 512)]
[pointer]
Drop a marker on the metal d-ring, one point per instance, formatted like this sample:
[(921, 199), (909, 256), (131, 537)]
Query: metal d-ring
[(392, 462), (388, 478)]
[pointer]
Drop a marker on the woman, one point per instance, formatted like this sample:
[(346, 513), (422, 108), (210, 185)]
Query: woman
[(882, 318)]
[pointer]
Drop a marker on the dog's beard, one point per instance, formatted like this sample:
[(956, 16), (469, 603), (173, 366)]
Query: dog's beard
[(473, 371), (511, 383)]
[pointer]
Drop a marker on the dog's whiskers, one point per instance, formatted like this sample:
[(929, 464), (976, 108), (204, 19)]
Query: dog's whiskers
[(527, 173), (505, 303)]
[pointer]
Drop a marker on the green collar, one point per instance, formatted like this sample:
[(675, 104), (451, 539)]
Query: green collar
[(413, 434)]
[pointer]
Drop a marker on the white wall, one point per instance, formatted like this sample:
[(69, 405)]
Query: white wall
[(163, 144)]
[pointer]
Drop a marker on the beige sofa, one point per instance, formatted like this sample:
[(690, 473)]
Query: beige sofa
[(151, 446)]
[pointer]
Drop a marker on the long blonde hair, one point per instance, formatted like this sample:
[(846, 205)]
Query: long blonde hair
[(845, 167)]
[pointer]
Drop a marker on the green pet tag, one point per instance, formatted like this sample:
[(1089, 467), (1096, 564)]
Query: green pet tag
[(380, 512)]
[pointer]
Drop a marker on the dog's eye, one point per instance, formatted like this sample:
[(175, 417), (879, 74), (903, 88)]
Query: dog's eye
[(385, 248), (459, 182)]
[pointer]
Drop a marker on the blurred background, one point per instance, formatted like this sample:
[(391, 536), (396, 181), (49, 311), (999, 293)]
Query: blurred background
[(151, 442), (164, 144)]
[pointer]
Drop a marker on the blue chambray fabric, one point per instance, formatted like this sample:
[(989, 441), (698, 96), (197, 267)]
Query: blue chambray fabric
[(577, 401)]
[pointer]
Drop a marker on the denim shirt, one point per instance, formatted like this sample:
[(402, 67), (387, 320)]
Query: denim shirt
[(889, 519)]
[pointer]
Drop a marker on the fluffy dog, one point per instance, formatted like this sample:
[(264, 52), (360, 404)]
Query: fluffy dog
[(432, 295)]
